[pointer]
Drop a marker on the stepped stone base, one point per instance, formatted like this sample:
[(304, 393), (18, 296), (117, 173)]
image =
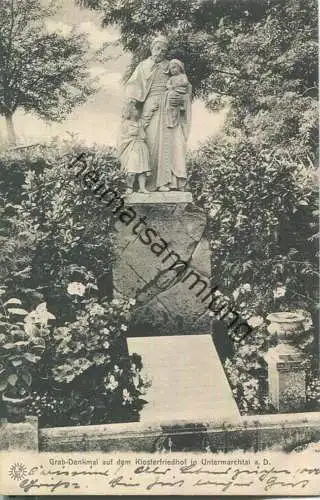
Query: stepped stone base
[(159, 197)]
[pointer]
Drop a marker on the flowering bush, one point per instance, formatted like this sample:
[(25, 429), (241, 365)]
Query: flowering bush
[(21, 345), (261, 197), (92, 340), (72, 232), (262, 210), (313, 392), (246, 369), (58, 249), (86, 375), (112, 398)]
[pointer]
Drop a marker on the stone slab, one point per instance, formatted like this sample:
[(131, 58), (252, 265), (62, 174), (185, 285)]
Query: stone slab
[(188, 380), (159, 197)]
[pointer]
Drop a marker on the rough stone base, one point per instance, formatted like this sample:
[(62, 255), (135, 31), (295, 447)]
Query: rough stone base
[(165, 304)]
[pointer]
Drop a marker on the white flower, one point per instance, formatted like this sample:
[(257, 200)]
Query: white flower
[(126, 396), (132, 302), (255, 321), (113, 384), (124, 328), (39, 316), (280, 291), (105, 344), (105, 331), (246, 287), (29, 325), (136, 380), (236, 293), (97, 310), (115, 302), (214, 210), (76, 288)]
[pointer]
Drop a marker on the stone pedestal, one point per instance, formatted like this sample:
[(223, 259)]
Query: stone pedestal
[(286, 378), (157, 197), (286, 364), (172, 233), (19, 436)]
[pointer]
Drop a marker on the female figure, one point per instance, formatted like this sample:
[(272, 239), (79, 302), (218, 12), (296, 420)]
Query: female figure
[(133, 151), (178, 86)]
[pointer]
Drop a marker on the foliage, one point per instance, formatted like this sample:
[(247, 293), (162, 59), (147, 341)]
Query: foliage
[(244, 386), (262, 209), (263, 218), (246, 370), (21, 344), (63, 241), (292, 399), (313, 391), (40, 72), (89, 340), (258, 57), (256, 185), (59, 232), (98, 396)]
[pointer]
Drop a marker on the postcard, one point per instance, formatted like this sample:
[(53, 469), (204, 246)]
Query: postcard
[(159, 246)]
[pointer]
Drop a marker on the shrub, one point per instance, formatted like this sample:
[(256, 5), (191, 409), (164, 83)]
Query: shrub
[(21, 345), (71, 231), (58, 248), (262, 219)]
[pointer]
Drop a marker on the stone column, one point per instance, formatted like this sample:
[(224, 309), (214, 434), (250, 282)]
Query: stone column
[(286, 363)]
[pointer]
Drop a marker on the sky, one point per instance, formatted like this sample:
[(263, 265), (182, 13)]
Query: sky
[(98, 120)]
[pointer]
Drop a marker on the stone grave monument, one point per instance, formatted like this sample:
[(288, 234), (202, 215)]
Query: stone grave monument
[(162, 254)]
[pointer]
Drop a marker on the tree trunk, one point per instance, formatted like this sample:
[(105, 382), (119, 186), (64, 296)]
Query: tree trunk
[(10, 129)]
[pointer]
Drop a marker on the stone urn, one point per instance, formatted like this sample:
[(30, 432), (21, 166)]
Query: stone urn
[(286, 324), (16, 407)]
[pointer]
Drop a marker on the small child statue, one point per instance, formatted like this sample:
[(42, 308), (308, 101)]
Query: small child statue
[(133, 150), (178, 86)]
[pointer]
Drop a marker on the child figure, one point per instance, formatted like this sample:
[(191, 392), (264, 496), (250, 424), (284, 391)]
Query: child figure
[(178, 86), (133, 150)]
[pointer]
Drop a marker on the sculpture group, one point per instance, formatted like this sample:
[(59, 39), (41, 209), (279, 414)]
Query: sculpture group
[(155, 123)]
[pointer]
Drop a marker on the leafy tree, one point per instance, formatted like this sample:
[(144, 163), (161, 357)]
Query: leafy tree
[(40, 72), (261, 57)]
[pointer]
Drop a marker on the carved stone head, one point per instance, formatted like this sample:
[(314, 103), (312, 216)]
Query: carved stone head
[(159, 47)]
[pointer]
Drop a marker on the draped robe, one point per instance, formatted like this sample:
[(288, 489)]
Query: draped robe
[(167, 146)]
